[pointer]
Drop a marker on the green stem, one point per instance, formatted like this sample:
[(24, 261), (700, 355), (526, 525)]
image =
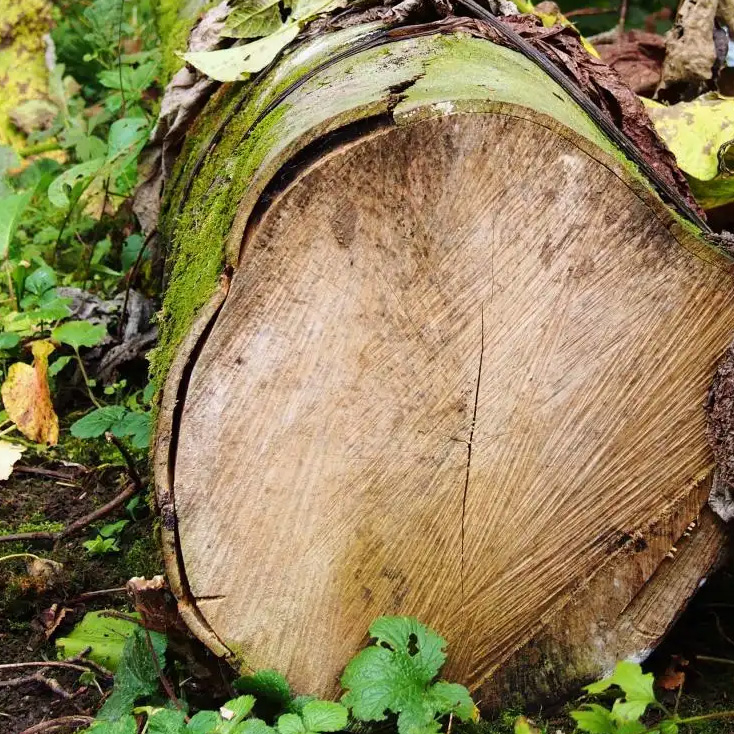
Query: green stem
[(96, 402), (46, 147), (706, 717), (19, 555)]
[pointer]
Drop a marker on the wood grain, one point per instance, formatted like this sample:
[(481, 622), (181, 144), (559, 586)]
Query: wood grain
[(460, 367)]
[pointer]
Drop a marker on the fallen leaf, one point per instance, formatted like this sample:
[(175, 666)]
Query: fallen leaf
[(27, 397), (237, 63), (45, 570), (637, 57), (523, 725), (700, 134), (689, 45), (49, 619), (673, 677), (9, 454)]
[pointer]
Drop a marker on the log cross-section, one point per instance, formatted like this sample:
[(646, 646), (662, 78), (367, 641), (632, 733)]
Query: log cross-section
[(458, 373)]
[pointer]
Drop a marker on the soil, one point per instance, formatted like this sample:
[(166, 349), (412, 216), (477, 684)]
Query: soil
[(30, 502)]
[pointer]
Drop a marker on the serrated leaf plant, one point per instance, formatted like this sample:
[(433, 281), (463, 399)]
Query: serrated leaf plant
[(397, 674)]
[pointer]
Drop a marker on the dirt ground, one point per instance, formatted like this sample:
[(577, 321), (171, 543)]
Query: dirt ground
[(34, 501)]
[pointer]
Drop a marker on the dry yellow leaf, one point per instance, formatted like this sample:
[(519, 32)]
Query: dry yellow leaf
[(27, 397)]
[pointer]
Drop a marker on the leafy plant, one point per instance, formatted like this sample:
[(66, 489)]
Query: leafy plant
[(397, 674), (629, 708), (103, 635), (106, 540)]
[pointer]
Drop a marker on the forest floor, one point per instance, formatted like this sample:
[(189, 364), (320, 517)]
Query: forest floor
[(30, 607)]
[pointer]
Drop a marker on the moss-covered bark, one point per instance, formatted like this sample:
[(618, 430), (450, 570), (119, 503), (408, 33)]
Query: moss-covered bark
[(234, 151)]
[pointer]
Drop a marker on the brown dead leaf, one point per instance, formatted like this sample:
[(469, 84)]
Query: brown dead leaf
[(673, 677), (637, 57), (48, 620), (27, 397), (45, 570), (689, 45)]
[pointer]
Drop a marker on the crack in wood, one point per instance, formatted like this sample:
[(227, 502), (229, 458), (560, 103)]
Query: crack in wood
[(468, 455)]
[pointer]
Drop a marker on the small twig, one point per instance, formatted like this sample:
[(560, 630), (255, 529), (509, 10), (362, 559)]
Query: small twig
[(50, 683), (130, 278), (62, 723), (711, 659), (54, 473), (44, 664), (129, 460), (22, 537), (94, 594), (78, 662), (167, 687), (82, 522), (581, 12), (622, 17), (77, 525)]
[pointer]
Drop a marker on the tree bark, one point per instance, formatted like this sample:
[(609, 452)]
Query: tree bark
[(431, 346)]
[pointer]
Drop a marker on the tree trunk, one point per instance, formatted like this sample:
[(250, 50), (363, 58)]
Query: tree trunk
[(432, 346)]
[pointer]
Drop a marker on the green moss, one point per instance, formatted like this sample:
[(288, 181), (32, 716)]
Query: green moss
[(174, 21), (37, 523), (143, 557)]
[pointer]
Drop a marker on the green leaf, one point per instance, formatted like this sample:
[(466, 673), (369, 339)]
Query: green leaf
[(291, 724), (668, 727), (100, 546), (452, 698), (57, 365), (266, 685), (126, 134), (8, 340), (124, 725), (321, 716), (105, 635), (233, 712), (253, 19), (136, 425), (524, 726), (131, 248), (137, 675), (113, 529), (700, 134), (237, 63), (81, 174), (40, 280), (204, 722), (97, 422), (594, 719), (79, 334), (254, 726), (304, 10), (396, 674), (636, 685), (12, 208), (167, 721)]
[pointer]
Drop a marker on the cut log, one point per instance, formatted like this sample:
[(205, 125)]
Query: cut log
[(432, 347)]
